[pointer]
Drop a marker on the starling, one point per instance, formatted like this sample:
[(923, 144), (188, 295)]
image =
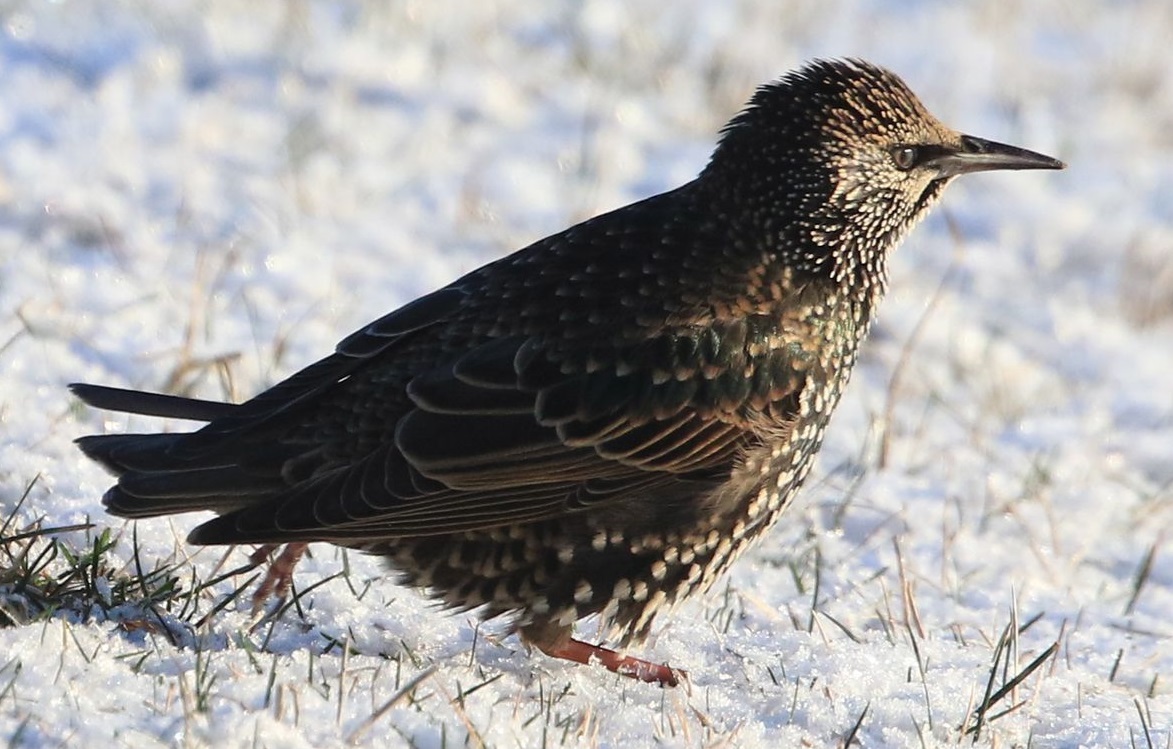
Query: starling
[(601, 422)]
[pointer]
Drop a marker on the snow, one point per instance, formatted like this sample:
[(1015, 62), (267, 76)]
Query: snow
[(190, 182)]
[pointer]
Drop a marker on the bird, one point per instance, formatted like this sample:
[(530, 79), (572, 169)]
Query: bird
[(600, 423)]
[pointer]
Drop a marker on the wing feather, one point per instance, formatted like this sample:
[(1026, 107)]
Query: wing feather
[(476, 449)]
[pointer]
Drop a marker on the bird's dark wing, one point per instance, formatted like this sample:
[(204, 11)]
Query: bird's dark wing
[(506, 434)]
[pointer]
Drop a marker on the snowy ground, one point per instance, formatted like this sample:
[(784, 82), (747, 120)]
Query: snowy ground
[(203, 197)]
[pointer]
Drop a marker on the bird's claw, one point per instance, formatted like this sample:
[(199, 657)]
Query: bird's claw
[(278, 576)]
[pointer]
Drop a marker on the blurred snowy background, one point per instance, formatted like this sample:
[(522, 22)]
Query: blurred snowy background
[(203, 196)]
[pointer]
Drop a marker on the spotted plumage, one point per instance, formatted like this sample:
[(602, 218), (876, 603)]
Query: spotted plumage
[(601, 422)]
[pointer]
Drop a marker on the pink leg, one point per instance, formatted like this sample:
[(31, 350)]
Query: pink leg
[(279, 575), (625, 665)]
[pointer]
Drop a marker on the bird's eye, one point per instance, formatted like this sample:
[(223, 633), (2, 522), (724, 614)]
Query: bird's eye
[(905, 157)]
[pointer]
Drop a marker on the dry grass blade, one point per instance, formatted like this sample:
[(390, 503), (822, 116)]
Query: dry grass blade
[(982, 713), (37, 532), (1142, 576), (357, 734), (293, 602), (850, 737), (1145, 720), (28, 488)]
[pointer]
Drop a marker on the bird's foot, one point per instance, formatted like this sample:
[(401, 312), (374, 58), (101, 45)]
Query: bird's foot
[(279, 575), (625, 665)]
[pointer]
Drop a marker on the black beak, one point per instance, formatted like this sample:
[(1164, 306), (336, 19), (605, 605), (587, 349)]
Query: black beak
[(978, 155)]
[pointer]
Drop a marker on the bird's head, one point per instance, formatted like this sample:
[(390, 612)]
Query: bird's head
[(837, 160)]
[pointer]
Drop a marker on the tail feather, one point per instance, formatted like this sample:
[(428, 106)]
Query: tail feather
[(151, 404), (119, 502), (207, 483), (119, 453), (157, 474)]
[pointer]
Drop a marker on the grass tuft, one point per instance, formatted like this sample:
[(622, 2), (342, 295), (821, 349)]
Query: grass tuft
[(44, 574)]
